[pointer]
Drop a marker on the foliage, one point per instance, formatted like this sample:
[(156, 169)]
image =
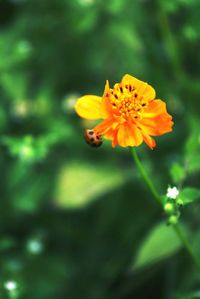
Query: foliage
[(76, 222), (160, 243)]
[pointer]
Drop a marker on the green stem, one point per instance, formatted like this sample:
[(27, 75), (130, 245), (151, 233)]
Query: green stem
[(187, 245), (145, 176), (157, 198), (169, 40)]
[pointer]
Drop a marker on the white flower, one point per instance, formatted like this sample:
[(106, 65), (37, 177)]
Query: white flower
[(34, 246), (172, 192), (10, 285)]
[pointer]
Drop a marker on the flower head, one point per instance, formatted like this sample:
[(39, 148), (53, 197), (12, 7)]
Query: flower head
[(10, 285), (172, 192), (129, 111)]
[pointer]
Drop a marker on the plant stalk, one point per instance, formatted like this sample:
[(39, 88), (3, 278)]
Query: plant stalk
[(157, 198)]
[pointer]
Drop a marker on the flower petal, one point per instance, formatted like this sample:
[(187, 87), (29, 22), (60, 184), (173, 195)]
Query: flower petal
[(105, 126), (111, 134), (114, 141), (129, 135), (156, 120), (149, 141), (156, 126), (88, 107), (154, 108), (143, 88), (106, 109), (107, 88)]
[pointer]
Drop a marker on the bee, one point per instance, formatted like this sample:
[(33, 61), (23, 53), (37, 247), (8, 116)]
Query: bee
[(92, 138)]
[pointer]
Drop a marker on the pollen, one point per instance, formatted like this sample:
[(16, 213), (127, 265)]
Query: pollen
[(126, 102)]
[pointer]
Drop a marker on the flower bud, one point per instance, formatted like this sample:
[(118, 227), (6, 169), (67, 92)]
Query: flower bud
[(169, 208), (179, 202), (173, 220)]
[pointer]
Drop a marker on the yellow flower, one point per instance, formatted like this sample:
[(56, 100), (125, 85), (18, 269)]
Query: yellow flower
[(130, 113)]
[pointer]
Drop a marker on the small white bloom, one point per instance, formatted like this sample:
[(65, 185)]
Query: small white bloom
[(172, 192), (34, 246), (10, 285)]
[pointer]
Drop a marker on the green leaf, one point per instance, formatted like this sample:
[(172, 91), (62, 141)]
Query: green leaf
[(177, 172), (161, 242), (79, 183), (193, 163), (189, 194), (192, 145)]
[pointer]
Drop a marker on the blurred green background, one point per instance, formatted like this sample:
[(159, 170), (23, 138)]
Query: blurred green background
[(78, 222)]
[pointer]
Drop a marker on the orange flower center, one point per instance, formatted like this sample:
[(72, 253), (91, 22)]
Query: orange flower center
[(127, 102)]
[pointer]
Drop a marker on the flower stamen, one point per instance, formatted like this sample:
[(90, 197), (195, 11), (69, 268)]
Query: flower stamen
[(126, 102)]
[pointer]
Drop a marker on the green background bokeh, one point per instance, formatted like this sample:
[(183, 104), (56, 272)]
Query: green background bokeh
[(77, 222)]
